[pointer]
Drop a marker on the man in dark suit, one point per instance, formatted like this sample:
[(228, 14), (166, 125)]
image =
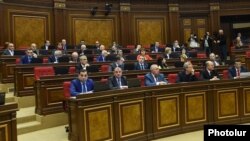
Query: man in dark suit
[(141, 64), (117, 81), (156, 48), (82, 84), (154, 77), (83, 64), (210, 73), (47, 46), (102, 57), (54, 58), (207, 43), (26, 59), (234, 72), (212, 58), (222, 43), (188, 74), (10, 50), (176, 46), (117, 63)]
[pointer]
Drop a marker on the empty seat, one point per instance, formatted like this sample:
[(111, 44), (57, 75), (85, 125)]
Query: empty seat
[(43, 71), (18, 60), (225, 74), (201, 55), (66, 89), (72, 70), (130, 46), (104, 68), (172, 77), (45, 60), (197, 74), (141, 78), (248, 54)]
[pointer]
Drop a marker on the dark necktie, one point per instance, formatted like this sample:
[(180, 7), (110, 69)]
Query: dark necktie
[(238, 72), (142, 67), (84, 88)]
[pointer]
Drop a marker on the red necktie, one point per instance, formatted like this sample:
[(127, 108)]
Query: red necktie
[(238, 72)]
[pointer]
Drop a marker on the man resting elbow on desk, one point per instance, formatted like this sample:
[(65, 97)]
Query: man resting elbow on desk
[(154, 77), (82, 84), (117, 81)]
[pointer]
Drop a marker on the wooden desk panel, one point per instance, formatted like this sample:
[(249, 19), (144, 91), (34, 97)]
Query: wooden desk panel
[(153, 112), (8, 129), (49, 92)]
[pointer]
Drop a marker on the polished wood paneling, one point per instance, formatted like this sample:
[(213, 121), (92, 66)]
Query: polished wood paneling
[(192, 99), (131, 116), (98, 123), (195, 107), (28, 27), (150, 30), (92, 30), (246, 99), (228, 103), (168, 114), (8, 128), (4, 132)]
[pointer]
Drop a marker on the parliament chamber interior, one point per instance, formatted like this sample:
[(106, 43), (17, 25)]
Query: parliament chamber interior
[(122, 70)]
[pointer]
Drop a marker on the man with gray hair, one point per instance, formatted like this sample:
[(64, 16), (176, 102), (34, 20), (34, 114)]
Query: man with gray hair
[(54, 58), (188, 74), (154, 77), (212, 58)]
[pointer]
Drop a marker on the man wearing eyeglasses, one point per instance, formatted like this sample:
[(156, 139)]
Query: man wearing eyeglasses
[(82, 84), (154, 77), (117, 81)]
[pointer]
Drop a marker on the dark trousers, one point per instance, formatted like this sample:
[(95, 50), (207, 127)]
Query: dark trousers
[(208, 51), (223, 52)]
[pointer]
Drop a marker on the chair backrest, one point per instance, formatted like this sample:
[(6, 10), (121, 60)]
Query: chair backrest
[(248, 54), (43, 71), (172, 77), (45, 60), (131, 46), (72, 70), (197, 74), (141, 78), (104, 68), (201, 55), (104, 80), (66, 89), (225, 74), (18, 60)]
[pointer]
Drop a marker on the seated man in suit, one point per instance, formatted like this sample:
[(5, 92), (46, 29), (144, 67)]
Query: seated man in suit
[(176, 46), (141, 64), (74, 58), (54, 58), (26, 59), (212, 58), (117, 81), (47, 46), (117, 63), (154, 77), (83, 64), (209, 73), (82, 84), (10, 50), (188, 74), (234, 72), (155, 48), (102, 57)]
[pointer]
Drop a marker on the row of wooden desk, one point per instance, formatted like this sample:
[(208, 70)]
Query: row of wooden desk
[(49, 91), (8, 128), (159, 111)]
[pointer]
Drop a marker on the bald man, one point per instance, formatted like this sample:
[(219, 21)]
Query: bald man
[(210, 73)]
